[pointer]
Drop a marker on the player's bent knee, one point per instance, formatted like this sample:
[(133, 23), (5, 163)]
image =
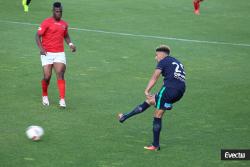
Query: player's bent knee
[(150, 102)]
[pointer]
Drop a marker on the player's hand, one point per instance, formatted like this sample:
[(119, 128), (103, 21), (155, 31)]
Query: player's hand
[(150, 98), (72, 48), (43, 52), (147, 94)]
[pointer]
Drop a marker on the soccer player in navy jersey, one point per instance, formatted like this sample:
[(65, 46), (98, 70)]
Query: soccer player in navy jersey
[(172, 91)]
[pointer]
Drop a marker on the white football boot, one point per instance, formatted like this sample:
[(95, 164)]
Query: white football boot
[(62, 103), (45, 100)]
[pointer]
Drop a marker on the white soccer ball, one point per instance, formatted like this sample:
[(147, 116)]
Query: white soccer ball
[(34, 132)]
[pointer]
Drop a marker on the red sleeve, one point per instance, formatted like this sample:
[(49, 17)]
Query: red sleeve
[(42, 29)]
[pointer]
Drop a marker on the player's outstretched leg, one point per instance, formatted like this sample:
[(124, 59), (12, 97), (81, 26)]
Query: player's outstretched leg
[(137, 110)]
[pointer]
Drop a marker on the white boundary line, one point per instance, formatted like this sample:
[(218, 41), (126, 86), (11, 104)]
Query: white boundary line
[(139, 35)]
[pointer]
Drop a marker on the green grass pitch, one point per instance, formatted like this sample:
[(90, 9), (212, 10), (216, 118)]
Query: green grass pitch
[(108, 75)]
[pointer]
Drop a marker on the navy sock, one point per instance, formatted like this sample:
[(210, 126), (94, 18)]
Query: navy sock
[(156, 132), (139, 109)]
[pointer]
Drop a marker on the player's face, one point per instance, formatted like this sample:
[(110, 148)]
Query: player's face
[(159, 56), (57, 13)]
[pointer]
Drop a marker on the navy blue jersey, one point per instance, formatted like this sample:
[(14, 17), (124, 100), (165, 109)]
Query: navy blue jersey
[(173, 73)]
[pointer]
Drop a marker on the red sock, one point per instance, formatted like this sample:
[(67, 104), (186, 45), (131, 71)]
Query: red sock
[(45, 86), (61, 87), (196, 5)]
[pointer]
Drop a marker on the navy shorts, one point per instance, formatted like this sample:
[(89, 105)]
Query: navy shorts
[(165, 98)]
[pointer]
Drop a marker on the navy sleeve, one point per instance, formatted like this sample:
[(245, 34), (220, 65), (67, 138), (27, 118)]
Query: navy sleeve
[(160, 65)]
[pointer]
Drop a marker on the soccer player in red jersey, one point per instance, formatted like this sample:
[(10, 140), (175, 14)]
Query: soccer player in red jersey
[(50, 40), (196, 4)]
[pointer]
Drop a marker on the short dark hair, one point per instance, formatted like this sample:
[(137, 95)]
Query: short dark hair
[(57, 5), (163, 48)]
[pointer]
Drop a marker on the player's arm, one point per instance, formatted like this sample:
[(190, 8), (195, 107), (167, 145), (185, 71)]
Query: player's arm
[(39, 44), (68, 41), (152, 81)]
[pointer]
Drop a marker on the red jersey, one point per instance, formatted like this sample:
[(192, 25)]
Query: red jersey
[(53, 33)]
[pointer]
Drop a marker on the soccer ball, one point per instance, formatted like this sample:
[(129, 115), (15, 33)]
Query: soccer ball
[(34, 132)]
